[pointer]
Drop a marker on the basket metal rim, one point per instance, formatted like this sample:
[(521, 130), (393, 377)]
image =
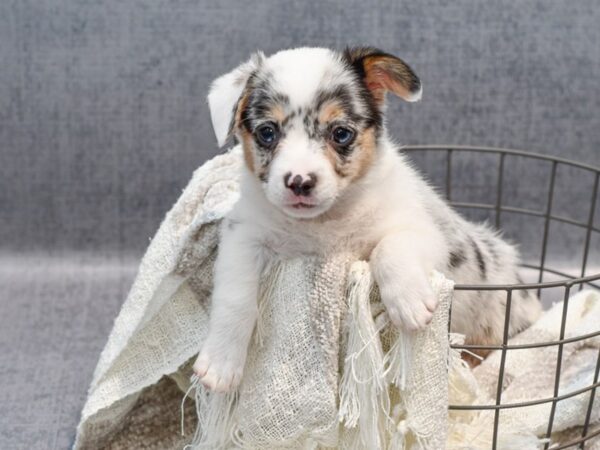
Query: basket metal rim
[(521, 286), (570, 281), (508, 151)]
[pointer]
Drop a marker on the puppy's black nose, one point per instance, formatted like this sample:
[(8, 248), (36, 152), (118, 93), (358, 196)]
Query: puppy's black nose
[(300, 185)]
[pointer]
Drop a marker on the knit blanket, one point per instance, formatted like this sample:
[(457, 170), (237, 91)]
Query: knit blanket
[(325, 369)]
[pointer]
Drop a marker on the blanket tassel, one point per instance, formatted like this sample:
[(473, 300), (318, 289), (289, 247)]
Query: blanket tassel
[(216, 424), (364, 399)]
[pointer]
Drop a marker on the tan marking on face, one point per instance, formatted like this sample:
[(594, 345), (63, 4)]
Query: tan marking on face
[(334, 159), (278, 113), (357, 164), (253, 164), (247, 146), (246, 138), (365, 154), (240, 107), (329, 112)]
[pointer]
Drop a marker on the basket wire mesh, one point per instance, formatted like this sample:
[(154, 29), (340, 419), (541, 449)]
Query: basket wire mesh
[(567, 283)]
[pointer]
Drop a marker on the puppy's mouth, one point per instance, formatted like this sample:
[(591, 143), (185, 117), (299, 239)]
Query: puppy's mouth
[(301, 205), (300, 202)]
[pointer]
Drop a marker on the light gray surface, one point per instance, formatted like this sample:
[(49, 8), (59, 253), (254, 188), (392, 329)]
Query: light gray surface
[(103, 120), (56, 314)]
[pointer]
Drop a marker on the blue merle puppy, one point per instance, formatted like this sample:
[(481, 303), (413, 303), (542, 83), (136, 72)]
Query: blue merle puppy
[(321, 174)]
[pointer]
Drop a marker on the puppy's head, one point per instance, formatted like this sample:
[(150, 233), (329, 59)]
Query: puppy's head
[(309, 119)]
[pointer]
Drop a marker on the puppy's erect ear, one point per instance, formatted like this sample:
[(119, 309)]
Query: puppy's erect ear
[(225, 93), (383, 72)]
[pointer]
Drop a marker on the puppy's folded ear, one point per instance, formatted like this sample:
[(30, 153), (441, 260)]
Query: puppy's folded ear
[(383, 72), (225, 93)]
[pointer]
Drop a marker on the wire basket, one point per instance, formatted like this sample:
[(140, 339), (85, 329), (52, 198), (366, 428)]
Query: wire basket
[(495, 204)]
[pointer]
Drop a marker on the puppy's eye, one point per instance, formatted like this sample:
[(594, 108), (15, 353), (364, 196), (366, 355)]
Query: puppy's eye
[(267, 134), (342, 135)]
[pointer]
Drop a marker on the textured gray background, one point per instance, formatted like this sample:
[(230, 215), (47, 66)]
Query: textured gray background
[(103, 120)]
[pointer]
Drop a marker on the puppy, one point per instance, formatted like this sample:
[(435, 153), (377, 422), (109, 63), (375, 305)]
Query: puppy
[(321, 174)]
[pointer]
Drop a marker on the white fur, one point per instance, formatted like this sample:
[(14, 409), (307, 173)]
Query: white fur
[(300, 156), (390, 216)]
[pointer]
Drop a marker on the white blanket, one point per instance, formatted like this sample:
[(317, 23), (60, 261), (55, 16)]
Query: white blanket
[(325, 369), (318, 373)]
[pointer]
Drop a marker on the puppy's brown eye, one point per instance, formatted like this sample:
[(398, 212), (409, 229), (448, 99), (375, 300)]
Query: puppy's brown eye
[(267, 134), (342, 136)]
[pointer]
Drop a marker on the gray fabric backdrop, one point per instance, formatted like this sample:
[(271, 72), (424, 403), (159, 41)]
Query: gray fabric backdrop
[(103, 119), (102, 103)]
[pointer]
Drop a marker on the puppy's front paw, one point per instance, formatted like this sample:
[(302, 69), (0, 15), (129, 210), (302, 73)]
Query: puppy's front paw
[(410, 303), (219, 371)]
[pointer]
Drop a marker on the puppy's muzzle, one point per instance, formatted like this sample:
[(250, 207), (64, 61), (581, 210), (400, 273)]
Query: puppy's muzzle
[(299, 184)]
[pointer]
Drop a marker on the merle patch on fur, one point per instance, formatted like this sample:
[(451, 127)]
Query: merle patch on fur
[(480, 259), (457, 258)]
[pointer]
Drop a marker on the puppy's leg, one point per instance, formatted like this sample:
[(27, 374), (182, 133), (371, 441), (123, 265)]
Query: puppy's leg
[(401, 264), (234, 311)]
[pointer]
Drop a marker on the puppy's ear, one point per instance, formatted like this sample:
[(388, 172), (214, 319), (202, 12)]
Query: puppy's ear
[(383, 72), (225, 93)]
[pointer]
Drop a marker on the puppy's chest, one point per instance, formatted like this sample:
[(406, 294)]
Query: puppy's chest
[(302, 238)]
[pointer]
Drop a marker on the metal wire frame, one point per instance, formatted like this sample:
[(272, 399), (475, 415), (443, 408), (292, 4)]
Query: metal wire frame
[(567, 283)]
